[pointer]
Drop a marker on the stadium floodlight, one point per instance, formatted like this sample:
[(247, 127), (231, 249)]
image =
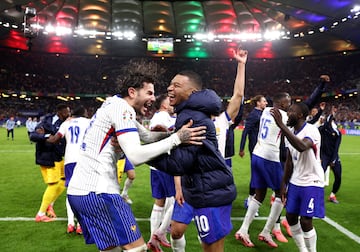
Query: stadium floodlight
[(204, 36), (355, 9), (30, 12), (273, 35), (129, 35), (61, 31)]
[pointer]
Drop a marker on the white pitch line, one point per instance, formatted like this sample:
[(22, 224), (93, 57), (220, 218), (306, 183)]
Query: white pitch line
[(343, 230), (26, 219), (329, 221), (17, 151)]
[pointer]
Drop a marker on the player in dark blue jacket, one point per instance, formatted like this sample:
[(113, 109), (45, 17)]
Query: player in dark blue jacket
[(207, 182), (251, 129), (50, 158), (329, 152)]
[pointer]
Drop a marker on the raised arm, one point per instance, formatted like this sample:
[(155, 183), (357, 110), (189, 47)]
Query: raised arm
[(318, 114), (316, 94), (239, 85)]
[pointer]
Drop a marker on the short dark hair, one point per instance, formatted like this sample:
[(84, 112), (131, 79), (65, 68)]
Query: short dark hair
[(79, 111), (304, 109), (193, 77), (279, 96), (159, 100), (61, 106)]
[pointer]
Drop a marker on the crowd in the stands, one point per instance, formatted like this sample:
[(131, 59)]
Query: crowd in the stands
[(43, 75)]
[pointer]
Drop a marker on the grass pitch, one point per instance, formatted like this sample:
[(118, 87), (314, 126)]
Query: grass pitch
[(21, 189)]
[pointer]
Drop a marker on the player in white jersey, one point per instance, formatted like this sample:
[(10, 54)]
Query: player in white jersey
[(222, 125), (73, 130), (162, 184), (269, 137), (266, 172), (303, 183), (93, 191)]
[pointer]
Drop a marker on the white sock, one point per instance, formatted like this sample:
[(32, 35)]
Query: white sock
[(178, 245), (155, 218), (128, 183), (142, 248), (169, 202), (277, 226), (298, 236), (310, 240), (275, 212), (169, 208), (70, 214), (253, 207), (116, 249)]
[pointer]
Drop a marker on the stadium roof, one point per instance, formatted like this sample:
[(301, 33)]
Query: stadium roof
[(202, 29)]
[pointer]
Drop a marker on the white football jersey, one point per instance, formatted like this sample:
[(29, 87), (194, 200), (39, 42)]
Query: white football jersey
[(96, 170), (163, 118), (269, 137), (222, 124), (73, 130), (307, 164)]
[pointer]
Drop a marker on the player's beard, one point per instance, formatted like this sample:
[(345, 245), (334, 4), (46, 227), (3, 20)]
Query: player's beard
[(291, 122)]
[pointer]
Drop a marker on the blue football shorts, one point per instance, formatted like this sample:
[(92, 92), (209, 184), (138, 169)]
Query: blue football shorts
[(128, 165), (162, 184), (105, 219), (305, 201), (69, 169), (265, 173), (212, 223)]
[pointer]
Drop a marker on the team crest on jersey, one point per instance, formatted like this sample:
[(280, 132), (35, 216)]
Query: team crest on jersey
[(127, 115)]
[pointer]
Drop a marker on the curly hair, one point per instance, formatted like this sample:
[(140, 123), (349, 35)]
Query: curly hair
[(136, 73)]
